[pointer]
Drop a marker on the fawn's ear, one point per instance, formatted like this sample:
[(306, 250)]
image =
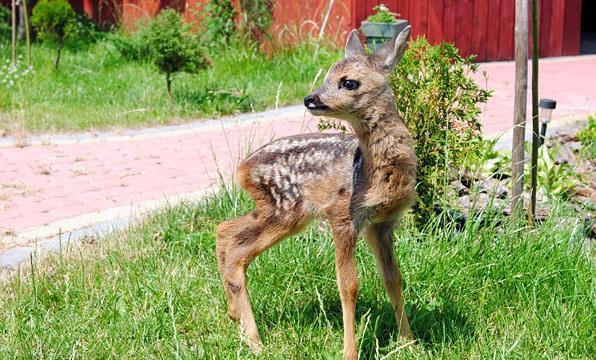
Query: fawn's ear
[(390, 55), (353, 45)]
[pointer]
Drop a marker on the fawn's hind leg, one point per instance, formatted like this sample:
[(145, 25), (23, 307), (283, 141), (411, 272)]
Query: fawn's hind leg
[(380, 240), (239, 241), (344, 241), (225, 234)]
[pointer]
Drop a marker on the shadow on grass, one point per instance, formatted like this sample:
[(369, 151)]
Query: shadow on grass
[(439, 324), (432, 325)]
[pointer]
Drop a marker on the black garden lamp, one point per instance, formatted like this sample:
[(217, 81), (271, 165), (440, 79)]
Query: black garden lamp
[(546, 112)]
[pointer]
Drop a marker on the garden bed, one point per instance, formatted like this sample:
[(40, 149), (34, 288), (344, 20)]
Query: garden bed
[(97, 88)]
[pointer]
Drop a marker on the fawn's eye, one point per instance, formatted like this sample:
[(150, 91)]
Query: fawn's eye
[(349, 84)]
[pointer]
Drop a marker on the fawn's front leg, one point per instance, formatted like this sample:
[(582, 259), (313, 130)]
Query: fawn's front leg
[(380, 240), (344, 239)]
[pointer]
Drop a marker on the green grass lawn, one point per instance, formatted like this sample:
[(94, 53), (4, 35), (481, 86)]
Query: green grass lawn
[(153, 292), (97, 88)]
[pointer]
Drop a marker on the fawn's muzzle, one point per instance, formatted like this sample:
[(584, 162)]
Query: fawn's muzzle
[(313, 102)]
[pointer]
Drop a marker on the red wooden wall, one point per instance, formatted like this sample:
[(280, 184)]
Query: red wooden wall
[(298, 19), (482, 27), (125, 12)]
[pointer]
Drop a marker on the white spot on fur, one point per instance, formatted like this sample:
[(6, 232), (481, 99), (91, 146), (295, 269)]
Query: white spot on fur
[(296, 162)]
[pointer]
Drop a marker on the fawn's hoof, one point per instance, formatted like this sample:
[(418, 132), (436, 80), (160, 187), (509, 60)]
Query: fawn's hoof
[(254, 345), (233, 314), (407, 336)]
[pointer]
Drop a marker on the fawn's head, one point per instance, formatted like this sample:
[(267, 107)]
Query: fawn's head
[(359, 81)]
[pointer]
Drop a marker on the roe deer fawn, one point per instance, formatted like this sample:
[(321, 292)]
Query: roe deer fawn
[(361, 182)]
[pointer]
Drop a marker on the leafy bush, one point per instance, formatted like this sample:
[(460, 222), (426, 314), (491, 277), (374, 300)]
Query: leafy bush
[(5, 21), (133, 46), (491, 163), (439, 103), (587, 137), (84, 33), (220, 21), (54, 21), (257, 17), (555, 181), (173, 49), (383, 15)]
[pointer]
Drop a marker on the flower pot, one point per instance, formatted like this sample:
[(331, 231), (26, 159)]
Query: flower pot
[(377, 34)]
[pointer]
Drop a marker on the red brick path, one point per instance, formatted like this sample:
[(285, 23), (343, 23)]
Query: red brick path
[(41, 183)]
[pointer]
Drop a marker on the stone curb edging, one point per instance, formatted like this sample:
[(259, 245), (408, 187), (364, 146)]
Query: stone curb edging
[(41, 239), (162, 131)]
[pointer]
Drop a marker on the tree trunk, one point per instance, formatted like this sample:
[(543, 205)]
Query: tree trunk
[(169, 83), (14, 32), (520, 102), (21, 19), (535, 114), (27, 31), (60, 46)]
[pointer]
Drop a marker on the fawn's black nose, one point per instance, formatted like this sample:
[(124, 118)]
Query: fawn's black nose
[(311, 101)]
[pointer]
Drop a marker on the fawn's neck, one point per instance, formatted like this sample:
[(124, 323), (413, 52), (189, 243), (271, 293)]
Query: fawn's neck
[(381, 132)]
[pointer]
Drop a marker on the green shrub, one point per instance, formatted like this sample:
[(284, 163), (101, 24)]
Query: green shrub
[(439, 103), (220, 21), (55, 22), (256, 18), (383, 15), (5, 21), (587, 137), (555, 181), (173, 49), (133, 46), (84, 33)]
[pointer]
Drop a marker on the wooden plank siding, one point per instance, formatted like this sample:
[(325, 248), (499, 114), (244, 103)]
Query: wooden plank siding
[(492, 36), (419, 17), (505, 29), (449, 20), (572, 29), (556, 29), (435, 32), (464, 29), (481, 27), (486, 27)]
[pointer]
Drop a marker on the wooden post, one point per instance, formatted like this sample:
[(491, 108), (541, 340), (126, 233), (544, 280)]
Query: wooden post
[(535, 114), (14, 32), (520, 102), (27, 31)]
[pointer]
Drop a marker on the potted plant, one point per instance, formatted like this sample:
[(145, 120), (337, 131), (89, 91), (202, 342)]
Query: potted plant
[(381, 27)]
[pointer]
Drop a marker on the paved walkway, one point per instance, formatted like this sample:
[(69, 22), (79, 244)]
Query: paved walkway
[(64, 182)]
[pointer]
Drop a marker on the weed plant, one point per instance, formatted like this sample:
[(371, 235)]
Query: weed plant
[(382, 15)]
